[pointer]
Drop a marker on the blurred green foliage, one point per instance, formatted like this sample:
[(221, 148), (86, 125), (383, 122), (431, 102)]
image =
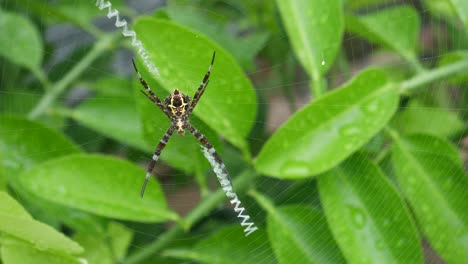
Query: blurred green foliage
[(364, 172)]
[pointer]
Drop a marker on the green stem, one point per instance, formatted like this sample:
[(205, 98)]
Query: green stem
[(209, 203), (48, 99), (317, 87), (433, 75), (42, 78)]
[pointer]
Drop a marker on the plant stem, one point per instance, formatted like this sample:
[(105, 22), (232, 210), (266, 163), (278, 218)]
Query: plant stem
[(48, 99), (433, 75), (317, 87), (42, 78), (209, 203)]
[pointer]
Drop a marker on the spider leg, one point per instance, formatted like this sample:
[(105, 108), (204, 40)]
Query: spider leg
[(157, 152), (203, 85), (204, 141), (153, 97)]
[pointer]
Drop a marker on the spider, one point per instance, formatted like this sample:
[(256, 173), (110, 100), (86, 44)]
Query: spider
[(178, 107)]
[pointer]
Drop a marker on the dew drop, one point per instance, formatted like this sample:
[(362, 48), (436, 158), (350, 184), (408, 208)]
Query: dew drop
[(400, 243), (295, 168), (380, 244), (350, 130), (358, 216), (386, 222), (371, 108)]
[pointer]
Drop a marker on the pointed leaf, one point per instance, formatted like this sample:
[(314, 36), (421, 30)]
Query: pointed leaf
[(436, 188), (229, 245), (331, 128), (23, 47), (114, 117), (98, 184), (396, 28), (367, 216), (18, 223), (315, 29), (228, 105)]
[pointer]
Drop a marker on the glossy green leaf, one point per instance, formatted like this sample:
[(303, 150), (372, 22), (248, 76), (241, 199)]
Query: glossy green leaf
[(229, 245), (229, 104), (396, 28), (25, 143), (300, 234), (461, 7), (419, 118), (10, 206), (436, 188), (180, 152), (15, 251), (315, 29), (100, 185), (15, 221), (23, 47), (114, 117), (367, 216), (242, 47), (331, 128)]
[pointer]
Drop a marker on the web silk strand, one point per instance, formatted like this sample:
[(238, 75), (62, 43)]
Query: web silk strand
[(223, 178), (122, 23)]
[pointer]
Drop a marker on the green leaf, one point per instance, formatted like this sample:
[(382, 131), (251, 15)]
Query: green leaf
[(100, 185), (419, 118), (396, 28), (461, 7), (121, 238), (242, 47), (15, 221), (97, 246), (300, 234), (331, 128), (367, 216), (114, 117), (315, 29), (22, 47), (113, 86), (15, 251), (228, 105), (436, 188), (228, 245), (453, 57), (425, 143), (24, 144), (10, 206)]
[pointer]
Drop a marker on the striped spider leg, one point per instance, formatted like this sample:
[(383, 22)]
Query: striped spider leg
[(178, 107)]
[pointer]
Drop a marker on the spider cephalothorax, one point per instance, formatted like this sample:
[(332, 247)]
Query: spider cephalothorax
[(177, 107), (178, 103)]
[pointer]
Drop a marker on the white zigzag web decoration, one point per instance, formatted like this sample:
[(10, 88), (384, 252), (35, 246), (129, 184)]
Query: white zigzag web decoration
[(101, 4), (223, 179)]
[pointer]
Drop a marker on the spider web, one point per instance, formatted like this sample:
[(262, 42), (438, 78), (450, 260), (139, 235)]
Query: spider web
[(280, 98)]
